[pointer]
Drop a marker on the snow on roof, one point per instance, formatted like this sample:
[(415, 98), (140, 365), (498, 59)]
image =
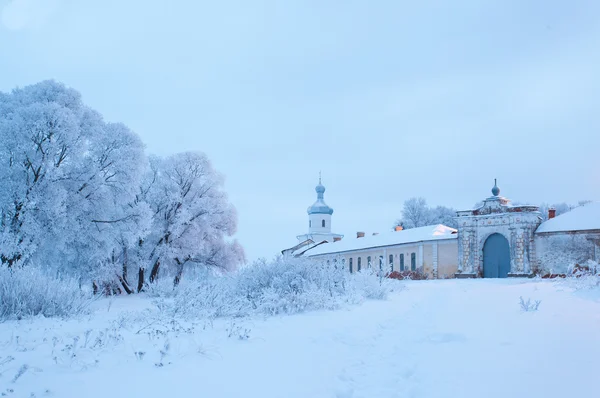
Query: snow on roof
[(303, 244), (300, 251), (582, 218), (430, 232)]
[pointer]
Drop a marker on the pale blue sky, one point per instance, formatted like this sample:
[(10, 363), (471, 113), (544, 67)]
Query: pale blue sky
[(390, 99)]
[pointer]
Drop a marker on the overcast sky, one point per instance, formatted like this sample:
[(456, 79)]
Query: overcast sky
[(390, 99)]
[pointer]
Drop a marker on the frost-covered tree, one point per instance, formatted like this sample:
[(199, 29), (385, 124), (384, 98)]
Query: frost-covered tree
[(192, 218), (416, 213), (41, 144), (443, 215), (561, 208), (106, 188), (71, 202), (67, 178)]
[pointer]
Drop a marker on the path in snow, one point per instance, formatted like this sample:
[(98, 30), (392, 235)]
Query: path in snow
[(454, 338)]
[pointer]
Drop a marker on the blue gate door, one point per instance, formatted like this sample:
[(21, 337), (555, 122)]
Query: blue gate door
[(496, 257)]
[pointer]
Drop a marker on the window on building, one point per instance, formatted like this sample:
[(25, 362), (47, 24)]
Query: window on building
[(323, 223), (413, 261), (369, 262), (402, 262), (358, 263), (380, 262), (309, 223), (391, 263), (350, 264)]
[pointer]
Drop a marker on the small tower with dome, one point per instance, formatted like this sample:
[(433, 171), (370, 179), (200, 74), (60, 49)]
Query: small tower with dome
[(319, 219)]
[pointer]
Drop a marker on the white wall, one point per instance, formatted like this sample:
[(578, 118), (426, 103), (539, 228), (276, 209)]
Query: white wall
[(447, 259), (316, 220)]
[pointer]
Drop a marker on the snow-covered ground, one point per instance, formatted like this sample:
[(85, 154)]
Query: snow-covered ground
[(451, 338)]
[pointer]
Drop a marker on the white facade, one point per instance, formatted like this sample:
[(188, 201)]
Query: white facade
[(430, 250), (517, 224), (497, 235)]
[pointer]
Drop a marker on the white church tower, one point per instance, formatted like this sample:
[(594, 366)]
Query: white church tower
[(319, 220)]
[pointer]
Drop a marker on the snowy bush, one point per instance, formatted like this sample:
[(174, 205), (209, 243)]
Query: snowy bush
[(268, 288), (559, 254), (589, 268), (30, 291), (583, 277), (529, 306)]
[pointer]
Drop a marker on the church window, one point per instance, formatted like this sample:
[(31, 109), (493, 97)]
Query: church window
[(369, 262), (413, 261), (391, 262), (402, 262), (350, 264), (358, 263), (323, 223), (381, 262)]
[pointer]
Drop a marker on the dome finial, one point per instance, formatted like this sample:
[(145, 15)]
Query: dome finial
[(495, 190), (320, 188), (319, 207)]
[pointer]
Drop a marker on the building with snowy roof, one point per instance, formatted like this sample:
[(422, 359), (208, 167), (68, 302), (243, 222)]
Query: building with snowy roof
[(431, 250), (495, 240), (499, 240), (568, 239)]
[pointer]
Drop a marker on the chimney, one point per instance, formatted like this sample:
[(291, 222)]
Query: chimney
[(551, 213), (360, 234), (398, 228), (337, 239)]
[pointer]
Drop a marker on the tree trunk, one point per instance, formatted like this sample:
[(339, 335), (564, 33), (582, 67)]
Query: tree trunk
[(111, 289), (94, 287), (179, 272), (140, 285), (154, 271), (10, 261), (125, 285), (125, 263)]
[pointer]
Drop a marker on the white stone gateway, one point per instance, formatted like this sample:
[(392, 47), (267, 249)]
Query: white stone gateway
[(497, 239)]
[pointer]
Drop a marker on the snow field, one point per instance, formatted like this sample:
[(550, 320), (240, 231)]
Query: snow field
[(448, 338)]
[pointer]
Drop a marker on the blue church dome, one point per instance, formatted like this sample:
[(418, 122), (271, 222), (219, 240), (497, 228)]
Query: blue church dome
[(320, 207)]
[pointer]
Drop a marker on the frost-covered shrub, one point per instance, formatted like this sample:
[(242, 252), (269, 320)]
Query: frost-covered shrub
[(278, 287), (558, 254), (162, 287), (590, 267), (30, 291), (528, 305), (583, 277)]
